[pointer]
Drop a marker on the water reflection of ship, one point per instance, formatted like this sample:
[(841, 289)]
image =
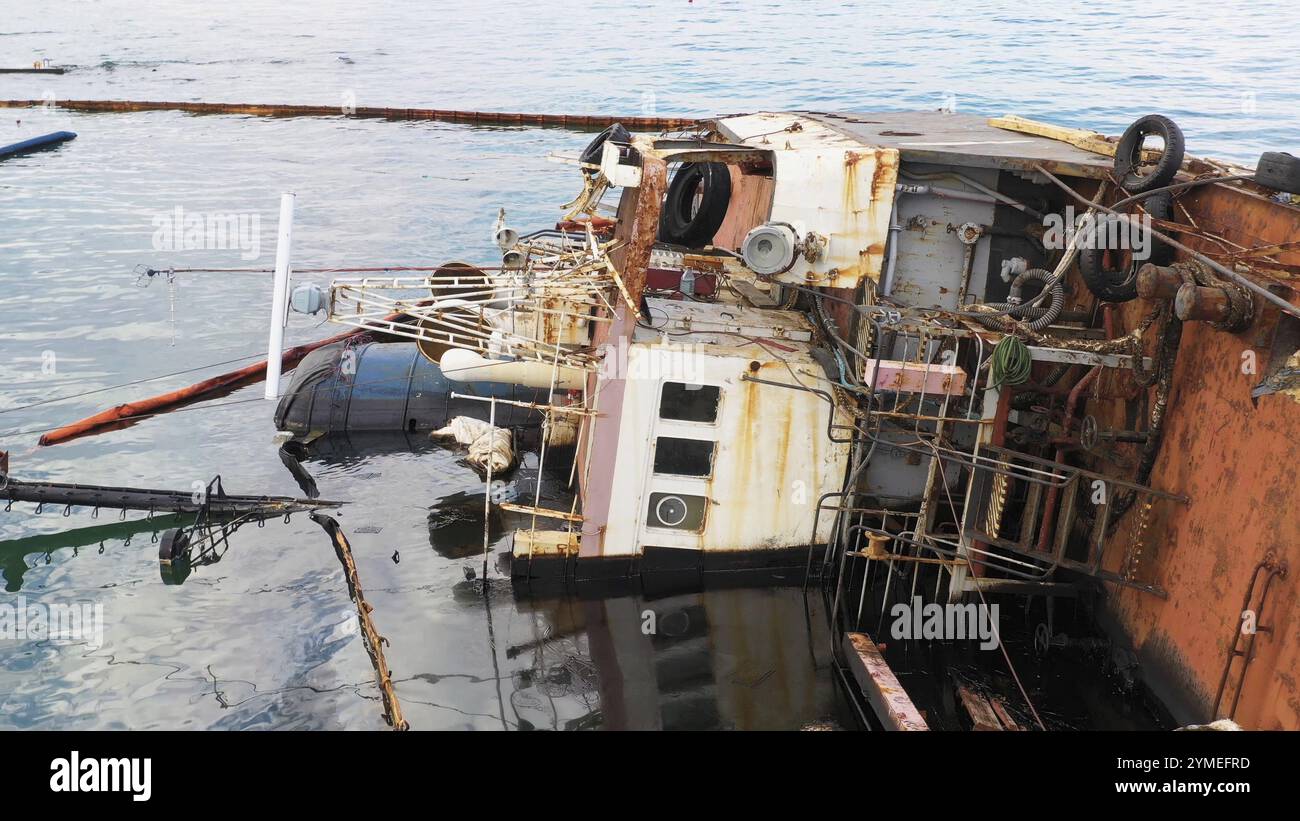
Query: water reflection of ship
[(455, 519), (713, 659)]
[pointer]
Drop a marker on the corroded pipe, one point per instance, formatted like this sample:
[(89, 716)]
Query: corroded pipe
[(1049, 509), (1071, 404), (140, 409)]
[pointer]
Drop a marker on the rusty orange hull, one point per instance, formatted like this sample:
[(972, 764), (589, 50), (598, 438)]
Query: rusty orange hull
[(1239, 462)]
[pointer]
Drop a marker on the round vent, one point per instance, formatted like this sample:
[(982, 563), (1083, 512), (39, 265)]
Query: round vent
[(770, 249), (671, 511)]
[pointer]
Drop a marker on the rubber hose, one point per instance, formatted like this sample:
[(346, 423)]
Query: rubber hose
[(1038, 318), (1011, 362)]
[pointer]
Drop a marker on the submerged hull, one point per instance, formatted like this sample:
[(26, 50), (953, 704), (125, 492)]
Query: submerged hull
[(862, 345)]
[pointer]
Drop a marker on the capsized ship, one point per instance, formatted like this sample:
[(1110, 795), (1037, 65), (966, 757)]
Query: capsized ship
[(973, 358)]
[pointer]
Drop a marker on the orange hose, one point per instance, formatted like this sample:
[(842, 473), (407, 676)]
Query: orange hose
[(193, 393)]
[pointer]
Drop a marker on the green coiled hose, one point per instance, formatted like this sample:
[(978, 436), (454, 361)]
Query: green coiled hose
[(1011, 362)]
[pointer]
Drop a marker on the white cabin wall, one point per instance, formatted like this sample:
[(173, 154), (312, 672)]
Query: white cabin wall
[(772, 459)]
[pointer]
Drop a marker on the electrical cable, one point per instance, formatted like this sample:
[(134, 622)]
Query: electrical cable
[(1180, 186)]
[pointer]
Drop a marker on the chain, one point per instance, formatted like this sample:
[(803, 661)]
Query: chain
[(1133, 559), (993, 524)]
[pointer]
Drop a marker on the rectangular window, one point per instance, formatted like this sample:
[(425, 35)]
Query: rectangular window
[(683, 457), (689, 403)]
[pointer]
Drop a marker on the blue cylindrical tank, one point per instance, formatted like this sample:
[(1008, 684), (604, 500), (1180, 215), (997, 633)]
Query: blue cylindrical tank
[(376, 386)]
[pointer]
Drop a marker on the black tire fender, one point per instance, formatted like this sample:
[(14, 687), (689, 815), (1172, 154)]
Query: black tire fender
[(592, 153), (1280, 171), (1128, 154), (1108, 286), (681, 222), (174, 556), (1120, 285), (1160, 207)]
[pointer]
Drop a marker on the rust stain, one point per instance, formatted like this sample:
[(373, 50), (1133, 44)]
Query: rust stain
[(784, 425), (1240, 465), (875, 177), (849, 198), (645, 228)]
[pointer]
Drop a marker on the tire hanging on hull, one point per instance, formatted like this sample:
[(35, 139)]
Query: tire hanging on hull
[(696, 204), (1120, 285)]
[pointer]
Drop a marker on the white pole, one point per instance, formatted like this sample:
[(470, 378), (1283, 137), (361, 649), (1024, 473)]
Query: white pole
[(487, 491), (279, 297)]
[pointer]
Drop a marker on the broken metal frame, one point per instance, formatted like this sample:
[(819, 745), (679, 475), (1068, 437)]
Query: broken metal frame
[(987, 467), (217, 515), (212, 508), (521, 346), (535, 509), (982, 519), (569, 285), (213, 500), (925, 344)]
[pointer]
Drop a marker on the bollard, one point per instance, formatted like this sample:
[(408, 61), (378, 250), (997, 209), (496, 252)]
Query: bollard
[(1158, 282), (1208, 304)]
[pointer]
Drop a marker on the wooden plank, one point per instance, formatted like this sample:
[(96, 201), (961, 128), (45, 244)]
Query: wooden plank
[(887, 697), (1077, 137), (544, 543), (545, 513), (980, 711), (1004, 715), (751, 202), (755, 297)]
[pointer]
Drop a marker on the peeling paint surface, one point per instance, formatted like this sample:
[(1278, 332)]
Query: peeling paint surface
[(828, 183), (1240, 465), (772, 458)]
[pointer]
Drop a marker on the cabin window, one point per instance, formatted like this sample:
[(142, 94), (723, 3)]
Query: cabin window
[(676, 511), (683, 402), (683, 457)]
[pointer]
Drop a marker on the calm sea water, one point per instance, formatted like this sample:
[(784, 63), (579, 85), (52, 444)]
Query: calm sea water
[(264, 638)]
